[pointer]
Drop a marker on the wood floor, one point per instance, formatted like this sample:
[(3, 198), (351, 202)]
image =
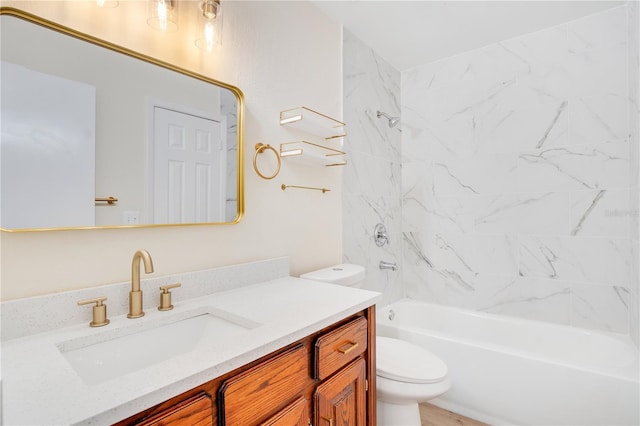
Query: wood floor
[(435, 416)]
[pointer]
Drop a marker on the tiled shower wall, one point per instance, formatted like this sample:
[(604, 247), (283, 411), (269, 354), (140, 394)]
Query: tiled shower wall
[(371, 191), (517, 175), (634, 138)]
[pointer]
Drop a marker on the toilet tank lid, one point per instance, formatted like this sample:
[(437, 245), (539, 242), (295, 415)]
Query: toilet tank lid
[(343, 274), (406, 362)]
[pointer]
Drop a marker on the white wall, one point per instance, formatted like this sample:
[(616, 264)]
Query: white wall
[(281, 55), (517, 175), (48, 149)]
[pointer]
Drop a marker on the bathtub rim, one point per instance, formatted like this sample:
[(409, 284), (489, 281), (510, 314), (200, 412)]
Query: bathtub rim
[(629, 373)]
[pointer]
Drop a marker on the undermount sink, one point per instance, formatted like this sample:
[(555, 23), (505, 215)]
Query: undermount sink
[(97, 359)]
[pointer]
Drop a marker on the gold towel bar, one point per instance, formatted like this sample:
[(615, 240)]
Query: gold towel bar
[(283, 186), (108, 200)]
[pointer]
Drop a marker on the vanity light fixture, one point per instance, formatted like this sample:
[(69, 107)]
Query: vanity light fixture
[(209, 24), (163, 15)]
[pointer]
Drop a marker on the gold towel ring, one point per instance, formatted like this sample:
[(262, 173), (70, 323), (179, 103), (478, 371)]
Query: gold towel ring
[(260, 148)]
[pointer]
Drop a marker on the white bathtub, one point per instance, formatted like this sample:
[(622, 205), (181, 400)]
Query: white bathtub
[(520, 372)]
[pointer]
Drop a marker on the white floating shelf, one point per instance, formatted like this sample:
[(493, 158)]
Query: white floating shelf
[(311, 153), (313, 122)]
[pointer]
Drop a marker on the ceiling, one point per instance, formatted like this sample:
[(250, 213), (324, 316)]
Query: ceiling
[(411, 33)]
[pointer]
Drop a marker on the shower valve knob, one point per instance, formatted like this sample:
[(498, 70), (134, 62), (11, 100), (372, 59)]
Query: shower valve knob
[(380, 235)]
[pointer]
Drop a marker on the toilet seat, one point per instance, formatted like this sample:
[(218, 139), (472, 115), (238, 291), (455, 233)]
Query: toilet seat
[(408, 363)]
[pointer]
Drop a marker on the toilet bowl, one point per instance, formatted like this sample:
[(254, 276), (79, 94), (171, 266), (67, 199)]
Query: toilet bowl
[(406, 374)]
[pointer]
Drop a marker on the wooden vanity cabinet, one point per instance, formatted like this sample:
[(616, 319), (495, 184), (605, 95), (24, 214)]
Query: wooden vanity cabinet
[(245, 398), (325, 379), (295, 414), (195, 411)]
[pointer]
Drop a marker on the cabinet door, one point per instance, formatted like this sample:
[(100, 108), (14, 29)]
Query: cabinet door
[(341, 400), (296, 414), (195, 411)]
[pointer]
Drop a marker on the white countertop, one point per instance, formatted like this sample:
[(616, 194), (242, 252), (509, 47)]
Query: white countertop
[(39, 386)]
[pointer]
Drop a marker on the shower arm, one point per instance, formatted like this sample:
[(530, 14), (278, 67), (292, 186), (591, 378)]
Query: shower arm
[(393, 121)]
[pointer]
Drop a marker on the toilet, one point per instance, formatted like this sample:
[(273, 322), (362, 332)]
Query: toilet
[(406, 374)]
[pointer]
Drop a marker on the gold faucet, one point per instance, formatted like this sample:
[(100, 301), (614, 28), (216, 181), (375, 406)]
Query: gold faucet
[(135, 295)]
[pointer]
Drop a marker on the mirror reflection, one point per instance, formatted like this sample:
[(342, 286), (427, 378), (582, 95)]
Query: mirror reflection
[(93, 135)]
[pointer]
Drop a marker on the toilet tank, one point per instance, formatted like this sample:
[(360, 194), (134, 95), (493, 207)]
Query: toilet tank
[(346, 274)]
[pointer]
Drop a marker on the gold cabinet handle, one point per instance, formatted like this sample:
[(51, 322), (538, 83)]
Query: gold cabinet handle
[(348, 347), (165, 297), (99, 311), (330, 420)]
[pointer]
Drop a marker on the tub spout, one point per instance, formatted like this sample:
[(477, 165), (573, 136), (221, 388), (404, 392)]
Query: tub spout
[(388, 265)]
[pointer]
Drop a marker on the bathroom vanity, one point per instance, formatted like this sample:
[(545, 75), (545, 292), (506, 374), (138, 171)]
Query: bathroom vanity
[(244, 345), (323, 378)]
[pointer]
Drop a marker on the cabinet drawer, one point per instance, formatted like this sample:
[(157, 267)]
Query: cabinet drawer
[(195, 411), (336, 348), (251, 396)]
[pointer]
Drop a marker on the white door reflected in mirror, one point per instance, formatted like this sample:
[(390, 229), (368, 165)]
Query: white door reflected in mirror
[(189, 167)]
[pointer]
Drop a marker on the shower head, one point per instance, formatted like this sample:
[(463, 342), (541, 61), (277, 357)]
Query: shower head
[(393, 121)]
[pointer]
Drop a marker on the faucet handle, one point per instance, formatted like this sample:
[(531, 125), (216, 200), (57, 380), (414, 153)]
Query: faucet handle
[(380, 235), (165, 297), (99, 311)]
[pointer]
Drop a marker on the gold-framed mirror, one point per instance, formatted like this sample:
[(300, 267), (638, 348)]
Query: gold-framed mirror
[(94, 135)]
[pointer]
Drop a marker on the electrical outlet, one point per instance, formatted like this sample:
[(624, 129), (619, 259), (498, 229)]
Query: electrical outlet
[(130, 217)]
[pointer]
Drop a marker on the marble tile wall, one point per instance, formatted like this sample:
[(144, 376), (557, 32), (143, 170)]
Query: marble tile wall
[(371, 190), (517, 174), (634, 138)]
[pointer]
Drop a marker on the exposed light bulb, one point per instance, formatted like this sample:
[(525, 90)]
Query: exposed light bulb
[(162, 15), (209, 35)]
